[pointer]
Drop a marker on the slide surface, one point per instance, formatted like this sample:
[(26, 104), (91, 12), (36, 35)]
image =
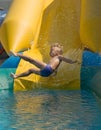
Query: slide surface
[(90, 24), (56, 24), (32, 26)]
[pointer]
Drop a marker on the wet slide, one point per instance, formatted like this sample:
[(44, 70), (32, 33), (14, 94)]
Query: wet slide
[(90, 35), (31, 27)]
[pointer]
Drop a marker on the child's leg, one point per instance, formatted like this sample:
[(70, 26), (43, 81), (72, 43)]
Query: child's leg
[(37, 63), (30, 71)]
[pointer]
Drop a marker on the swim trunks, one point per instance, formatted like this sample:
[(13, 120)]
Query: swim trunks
[(46, 71)]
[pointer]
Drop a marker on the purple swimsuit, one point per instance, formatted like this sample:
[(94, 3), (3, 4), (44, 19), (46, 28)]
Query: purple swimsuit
[(47, 71)]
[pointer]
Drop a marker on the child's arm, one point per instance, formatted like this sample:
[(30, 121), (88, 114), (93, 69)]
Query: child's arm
[(67, 60)]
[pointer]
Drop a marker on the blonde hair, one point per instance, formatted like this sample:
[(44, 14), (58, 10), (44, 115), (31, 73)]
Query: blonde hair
[(58, 46)]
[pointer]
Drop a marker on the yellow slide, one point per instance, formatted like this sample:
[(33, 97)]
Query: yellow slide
[(33, 25), (90, 24)]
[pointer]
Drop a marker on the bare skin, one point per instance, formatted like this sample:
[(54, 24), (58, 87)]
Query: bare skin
[(55, 60)]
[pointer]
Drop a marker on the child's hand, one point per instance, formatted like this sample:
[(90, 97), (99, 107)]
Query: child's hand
[(78, 62), (13, 53)]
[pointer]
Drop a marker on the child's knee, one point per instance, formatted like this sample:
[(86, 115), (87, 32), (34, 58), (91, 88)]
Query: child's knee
[(30, 71)]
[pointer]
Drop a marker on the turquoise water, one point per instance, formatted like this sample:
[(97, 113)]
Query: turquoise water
[(49, 110)]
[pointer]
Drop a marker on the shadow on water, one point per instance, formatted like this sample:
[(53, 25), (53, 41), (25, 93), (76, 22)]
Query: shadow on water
[(50, 110)]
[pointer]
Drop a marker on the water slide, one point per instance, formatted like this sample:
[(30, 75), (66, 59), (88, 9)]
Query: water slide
[(90, 30), (31, 27)]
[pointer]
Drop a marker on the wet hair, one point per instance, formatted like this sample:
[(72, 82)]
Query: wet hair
[(59, 47)]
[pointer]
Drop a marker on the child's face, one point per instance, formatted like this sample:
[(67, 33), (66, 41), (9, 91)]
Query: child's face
[(54, 51)]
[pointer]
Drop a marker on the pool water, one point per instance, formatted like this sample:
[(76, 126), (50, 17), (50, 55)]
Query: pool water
[(49, 110)]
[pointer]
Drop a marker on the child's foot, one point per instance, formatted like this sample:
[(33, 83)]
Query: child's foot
[(13, 76), (13, 53)]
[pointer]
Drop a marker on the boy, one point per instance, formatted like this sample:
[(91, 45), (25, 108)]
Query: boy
[(44, 69)]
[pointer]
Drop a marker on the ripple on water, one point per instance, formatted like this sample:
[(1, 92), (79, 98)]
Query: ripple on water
[(50, 110)]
